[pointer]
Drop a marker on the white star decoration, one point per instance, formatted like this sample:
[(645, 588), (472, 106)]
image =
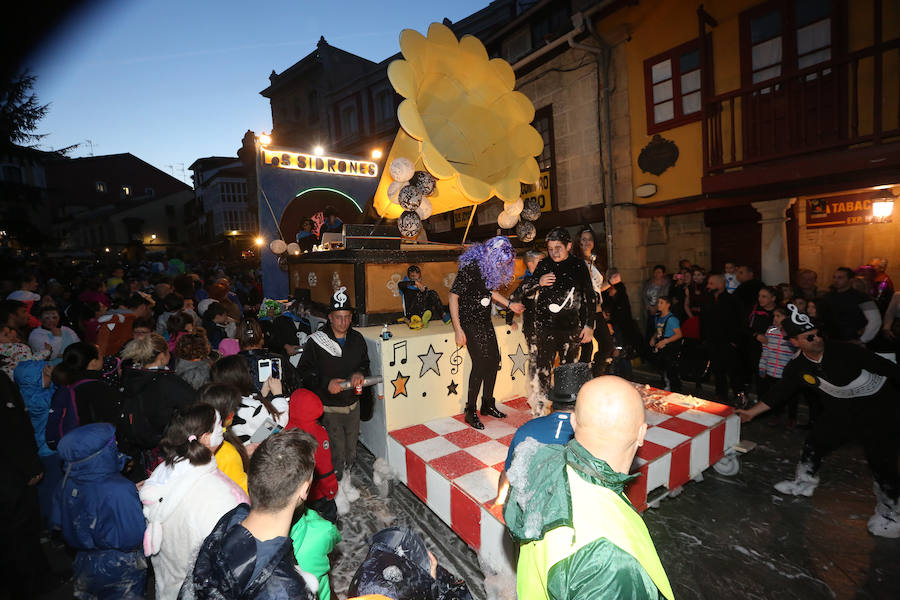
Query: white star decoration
[(519, 359), (430, 361)]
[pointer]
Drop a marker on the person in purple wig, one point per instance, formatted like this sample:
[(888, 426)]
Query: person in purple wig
[(483, 269)]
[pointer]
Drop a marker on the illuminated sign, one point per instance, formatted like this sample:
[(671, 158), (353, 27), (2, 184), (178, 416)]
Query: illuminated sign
[(836, 211), (329, 165)]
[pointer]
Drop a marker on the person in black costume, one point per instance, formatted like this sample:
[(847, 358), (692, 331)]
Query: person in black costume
[(859, 391), (482, 269), (333, 355), (565, 305), (720, 323)]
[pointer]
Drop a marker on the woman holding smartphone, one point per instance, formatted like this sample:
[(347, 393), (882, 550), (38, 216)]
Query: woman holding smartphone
[(256, 408), (253, 350)]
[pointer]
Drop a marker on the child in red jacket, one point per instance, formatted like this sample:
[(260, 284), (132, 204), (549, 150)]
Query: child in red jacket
[(304, 412)]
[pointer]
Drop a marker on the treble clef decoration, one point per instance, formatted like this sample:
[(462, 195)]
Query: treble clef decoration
[(799, 318), (340, 298), (455, 361)]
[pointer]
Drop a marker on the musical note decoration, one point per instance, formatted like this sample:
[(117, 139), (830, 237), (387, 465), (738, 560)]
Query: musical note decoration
[(455, 361), (401, 345), (340, 299), (400, 385), (430, 361)]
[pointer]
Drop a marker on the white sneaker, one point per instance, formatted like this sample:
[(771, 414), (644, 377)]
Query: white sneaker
[(803, 485), (885, 526), (886, 520)]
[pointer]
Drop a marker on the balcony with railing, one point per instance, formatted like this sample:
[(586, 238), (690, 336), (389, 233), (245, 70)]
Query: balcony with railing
[(836, 117)]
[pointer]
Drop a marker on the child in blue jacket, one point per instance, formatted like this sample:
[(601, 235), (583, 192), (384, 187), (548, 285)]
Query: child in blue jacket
[(33, 379), (100, 515)]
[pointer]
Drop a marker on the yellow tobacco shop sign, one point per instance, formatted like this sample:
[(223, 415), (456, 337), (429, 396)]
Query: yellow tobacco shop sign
[(329, 165)]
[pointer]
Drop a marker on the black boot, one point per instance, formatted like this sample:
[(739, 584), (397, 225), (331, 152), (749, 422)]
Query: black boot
[(472, 416), (489, 409)]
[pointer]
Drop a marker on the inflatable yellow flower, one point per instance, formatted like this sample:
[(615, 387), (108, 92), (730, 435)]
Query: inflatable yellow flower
[(461, 121)]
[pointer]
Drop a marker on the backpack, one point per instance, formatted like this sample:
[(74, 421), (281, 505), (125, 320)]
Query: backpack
[(63, 415)]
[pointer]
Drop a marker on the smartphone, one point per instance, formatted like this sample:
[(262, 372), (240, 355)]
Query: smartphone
[(269, 427), (264, 369), (276, 368)]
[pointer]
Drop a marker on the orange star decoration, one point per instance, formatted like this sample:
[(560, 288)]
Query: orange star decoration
[(400, 385), (462, 121)]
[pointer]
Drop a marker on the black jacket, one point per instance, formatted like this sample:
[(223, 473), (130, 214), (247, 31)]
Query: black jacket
[(156, 394), (19, 460), (214, 333), (528, 315), (721, 320), (579, 311), (747, 295), (286, 330), (317, 367), (97, 400), (226, 561)]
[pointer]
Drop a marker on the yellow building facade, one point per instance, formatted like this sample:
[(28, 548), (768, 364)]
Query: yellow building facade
[(787, 104)]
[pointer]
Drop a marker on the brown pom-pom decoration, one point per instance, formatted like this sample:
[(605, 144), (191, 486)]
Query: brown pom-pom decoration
[(424, 182), (531, 210), (409, 197), (526, 231)]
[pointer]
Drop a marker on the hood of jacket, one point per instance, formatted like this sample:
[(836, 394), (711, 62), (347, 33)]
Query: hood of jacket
[(227, 560), (29, 377), (195, 372), (305, 408), (90, 453)]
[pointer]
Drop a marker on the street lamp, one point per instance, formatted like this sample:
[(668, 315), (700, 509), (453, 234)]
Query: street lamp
[(265, 139), (234, 232), (259, 241), (318, 150), (152, 236), (106, 249), (376, 154)]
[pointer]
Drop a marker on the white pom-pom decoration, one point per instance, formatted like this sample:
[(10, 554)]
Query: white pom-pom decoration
[(402, 169), (506, 220), (278, 247), (514, 208), (425, 209), (394, 190), (293, 248)]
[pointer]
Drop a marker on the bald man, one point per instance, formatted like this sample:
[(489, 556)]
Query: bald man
[(579, 535)]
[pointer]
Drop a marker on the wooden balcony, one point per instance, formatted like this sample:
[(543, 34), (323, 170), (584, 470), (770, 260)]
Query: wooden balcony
[(837, 122)]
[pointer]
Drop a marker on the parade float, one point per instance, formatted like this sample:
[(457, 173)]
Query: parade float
[(465, 137)]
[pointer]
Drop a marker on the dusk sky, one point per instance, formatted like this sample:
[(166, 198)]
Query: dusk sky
[(172, 81)]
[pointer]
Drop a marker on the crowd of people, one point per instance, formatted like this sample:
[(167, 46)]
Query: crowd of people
[(168, 420), (732, 320)]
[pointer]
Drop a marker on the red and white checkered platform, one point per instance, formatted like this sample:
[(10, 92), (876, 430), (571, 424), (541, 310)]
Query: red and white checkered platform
[(454, 469)]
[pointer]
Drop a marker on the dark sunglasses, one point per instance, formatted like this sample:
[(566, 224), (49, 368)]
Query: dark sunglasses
[(812, 337)]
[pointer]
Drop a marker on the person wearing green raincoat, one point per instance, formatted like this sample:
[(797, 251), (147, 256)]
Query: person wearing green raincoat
[(578, 535)]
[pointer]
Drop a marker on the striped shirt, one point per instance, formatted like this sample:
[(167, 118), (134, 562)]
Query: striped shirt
[(776, 353)]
